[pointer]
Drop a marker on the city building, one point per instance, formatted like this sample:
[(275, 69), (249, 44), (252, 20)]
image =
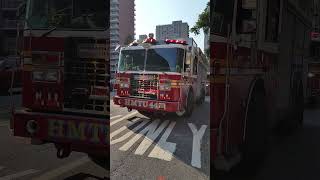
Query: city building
[(8, 26), (143, 37), (177, 29), (122, 22)]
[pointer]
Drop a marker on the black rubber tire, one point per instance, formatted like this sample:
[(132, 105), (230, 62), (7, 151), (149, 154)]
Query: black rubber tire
[(190, 104), (255, 146), (294, 120), (202, 97), (103, 162), (299, 107)]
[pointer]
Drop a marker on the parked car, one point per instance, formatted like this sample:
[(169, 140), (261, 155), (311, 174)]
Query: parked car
[(8, 65)]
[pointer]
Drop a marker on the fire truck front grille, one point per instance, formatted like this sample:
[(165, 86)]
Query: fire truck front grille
[(144, 88), (83, 74)]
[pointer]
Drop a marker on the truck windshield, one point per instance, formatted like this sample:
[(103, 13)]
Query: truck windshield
[(165, 59), (132, 60), (67, 14), (159, 59)]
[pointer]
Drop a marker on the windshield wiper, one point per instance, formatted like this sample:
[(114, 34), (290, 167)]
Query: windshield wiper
[(48, 32)]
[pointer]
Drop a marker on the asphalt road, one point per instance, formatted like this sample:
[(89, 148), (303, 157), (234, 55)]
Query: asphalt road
[(22, 161), (170, 147), (294, 157)]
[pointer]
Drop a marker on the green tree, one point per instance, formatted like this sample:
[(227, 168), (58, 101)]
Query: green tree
[(203, 21)]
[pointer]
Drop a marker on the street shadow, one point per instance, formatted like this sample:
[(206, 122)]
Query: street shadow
[(83, 176)]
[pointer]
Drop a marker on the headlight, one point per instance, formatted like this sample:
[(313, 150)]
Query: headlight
[(124, 85), (45, 75), (52, 76), (32, 126), (165, 85), (39, 75), (124, 82)]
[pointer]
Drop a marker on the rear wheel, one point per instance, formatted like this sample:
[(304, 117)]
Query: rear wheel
[(256, 133), (299, 108), (190, 104), (294, 119)]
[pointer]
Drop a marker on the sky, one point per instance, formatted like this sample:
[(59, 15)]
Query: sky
[(150, 13)]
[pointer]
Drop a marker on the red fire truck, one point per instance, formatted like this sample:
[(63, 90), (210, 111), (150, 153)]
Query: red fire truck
[(65, 93), (257, 81), (159, 77)]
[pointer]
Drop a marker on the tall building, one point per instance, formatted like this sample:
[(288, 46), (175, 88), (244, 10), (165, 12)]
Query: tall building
[(122, 18), (177, 29), (142, 37), (8, 26)]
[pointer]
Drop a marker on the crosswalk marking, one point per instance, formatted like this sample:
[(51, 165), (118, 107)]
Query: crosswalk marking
[(197, 136), (128, 134), (115, 117), (3, 124), (150, 128), (150, 137), (63, 169), (19, 174), (124, 118), (163, 149)]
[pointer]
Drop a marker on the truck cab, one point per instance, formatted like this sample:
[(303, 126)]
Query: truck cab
[(161, 76), (65, 76)]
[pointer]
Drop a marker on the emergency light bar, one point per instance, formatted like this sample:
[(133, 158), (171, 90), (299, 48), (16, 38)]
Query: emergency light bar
[(172, 41), (149, 40)]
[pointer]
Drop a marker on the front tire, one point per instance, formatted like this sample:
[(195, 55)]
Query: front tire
[(190, 104), (256, 140)]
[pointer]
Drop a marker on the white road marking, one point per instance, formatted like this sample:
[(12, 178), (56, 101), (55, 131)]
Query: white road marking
[(128, 134), (163, 149), (151, 127), (3, 124), (150, 137), (197, 136), (124, 117), (63, 169), (114, 117), (19, 174)]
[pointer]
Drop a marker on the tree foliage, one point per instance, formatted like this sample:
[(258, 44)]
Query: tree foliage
[(203, 21)]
